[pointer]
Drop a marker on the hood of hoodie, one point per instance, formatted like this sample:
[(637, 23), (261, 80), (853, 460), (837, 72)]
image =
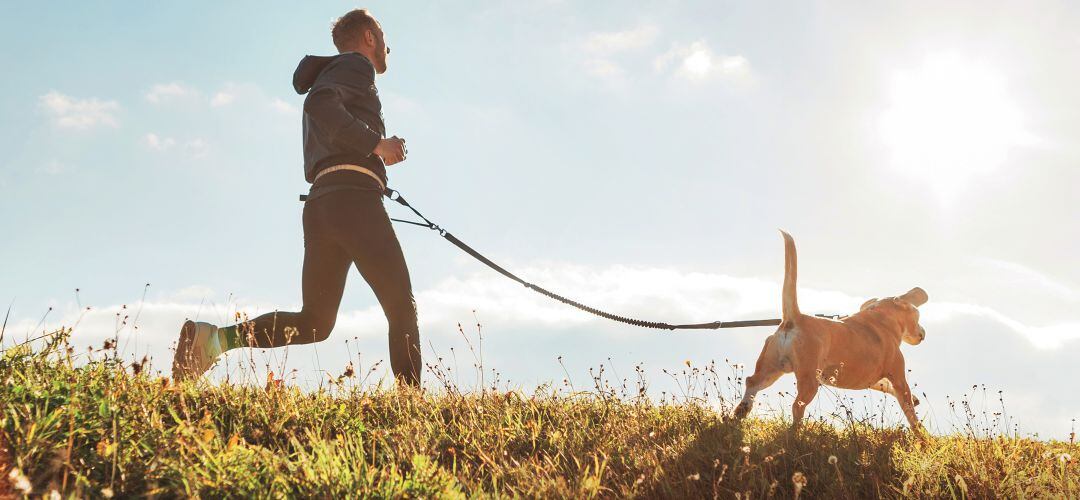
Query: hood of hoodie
[(311, 67), (308, 70)]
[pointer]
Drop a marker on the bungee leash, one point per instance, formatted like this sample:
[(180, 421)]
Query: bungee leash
[(713, 325)]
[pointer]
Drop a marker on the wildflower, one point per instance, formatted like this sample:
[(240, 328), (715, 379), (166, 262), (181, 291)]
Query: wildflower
[(1065, 458), (799, 480), (908, 483), (53, 495), (746, 449), (105, 448), (961, 483), (832, 459), (19, 481), (694, 477), (107, 492), (652, 434)]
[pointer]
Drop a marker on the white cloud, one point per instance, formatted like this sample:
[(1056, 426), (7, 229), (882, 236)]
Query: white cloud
[(603, 68), (1042, 337), (281, 106), (1030, 276), (197, 148), (240, 93), (697, 62), (53, 167), (165, 92), (599, 51), (661, 294), (158, 143), (222, 99), (604, 43), (68, 112)]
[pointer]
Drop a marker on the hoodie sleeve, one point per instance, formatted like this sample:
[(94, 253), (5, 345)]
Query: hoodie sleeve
[(325, 108)]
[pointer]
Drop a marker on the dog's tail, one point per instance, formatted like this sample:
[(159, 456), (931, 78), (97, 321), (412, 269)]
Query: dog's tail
[(791, 301)]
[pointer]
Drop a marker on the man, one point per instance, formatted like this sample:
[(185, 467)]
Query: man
[(345, 223)]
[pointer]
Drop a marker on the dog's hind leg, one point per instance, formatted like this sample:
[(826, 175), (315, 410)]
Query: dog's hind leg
[(807, 385), (769, 367)]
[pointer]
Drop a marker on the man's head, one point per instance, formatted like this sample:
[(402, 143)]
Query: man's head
[(358, 31)]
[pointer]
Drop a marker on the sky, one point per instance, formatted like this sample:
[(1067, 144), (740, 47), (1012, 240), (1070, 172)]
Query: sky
[(639, 158)]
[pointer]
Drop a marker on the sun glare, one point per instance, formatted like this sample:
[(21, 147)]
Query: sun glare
[(698, 62), (950, 121)]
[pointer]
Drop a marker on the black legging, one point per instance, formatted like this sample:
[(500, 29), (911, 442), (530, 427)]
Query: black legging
[(344, 227)]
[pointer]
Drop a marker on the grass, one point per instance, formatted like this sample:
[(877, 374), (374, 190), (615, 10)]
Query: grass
[(105, 428)]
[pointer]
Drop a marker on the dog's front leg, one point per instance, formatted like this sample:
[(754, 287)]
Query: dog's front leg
[(906, 399)]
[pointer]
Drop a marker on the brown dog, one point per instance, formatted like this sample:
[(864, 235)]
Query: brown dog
[(861, 351)]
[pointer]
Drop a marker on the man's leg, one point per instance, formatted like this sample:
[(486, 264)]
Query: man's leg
[(326, 265), (362, 227)]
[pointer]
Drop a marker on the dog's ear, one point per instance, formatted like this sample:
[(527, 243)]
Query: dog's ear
[(916, 296), (867, 304)]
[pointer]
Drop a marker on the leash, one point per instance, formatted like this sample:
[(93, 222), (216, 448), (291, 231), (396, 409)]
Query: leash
[(713, 325)]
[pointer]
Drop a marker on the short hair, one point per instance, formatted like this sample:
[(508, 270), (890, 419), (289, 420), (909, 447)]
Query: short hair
[(347, 30)]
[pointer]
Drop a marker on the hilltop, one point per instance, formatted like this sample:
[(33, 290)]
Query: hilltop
[(110, 429)]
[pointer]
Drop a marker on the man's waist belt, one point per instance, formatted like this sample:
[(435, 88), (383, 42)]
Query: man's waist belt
[(354, 168)]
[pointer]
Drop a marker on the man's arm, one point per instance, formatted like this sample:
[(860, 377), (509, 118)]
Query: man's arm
[(324, 106)]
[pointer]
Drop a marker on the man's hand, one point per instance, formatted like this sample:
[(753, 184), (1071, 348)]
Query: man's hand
[(391, 150)]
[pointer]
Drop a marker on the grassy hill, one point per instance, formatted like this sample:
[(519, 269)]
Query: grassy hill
[(109, 429)]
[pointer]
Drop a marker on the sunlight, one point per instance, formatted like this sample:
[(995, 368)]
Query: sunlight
[(698, 63), (950, 121)]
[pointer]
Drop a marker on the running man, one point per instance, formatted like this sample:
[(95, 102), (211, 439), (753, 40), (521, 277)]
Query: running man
[(345, 223)]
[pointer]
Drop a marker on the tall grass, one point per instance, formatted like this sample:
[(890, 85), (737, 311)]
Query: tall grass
[(102, 427)]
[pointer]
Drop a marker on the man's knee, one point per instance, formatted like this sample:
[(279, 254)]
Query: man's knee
[(320, 324)]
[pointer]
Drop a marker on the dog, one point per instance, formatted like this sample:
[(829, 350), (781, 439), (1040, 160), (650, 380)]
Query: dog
[(861, 351)]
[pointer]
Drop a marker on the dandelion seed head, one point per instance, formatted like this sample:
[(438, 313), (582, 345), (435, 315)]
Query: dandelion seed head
[(19, 481)]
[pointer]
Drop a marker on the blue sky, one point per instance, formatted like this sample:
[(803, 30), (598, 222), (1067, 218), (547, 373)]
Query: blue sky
[(638, 157)]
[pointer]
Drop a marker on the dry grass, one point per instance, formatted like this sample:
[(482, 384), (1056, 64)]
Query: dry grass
[(108, 428)]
